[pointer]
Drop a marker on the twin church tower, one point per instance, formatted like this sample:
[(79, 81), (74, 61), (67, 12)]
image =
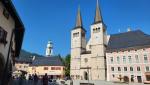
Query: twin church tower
[(88, 57)]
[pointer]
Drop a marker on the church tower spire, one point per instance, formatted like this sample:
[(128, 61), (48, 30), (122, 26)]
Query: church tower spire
[(79, 19), (49, 49), (98, 16)]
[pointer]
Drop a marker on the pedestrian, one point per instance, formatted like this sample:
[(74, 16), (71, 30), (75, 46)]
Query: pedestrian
[(30, 79), (45, 79), (71, 82), (35, 79), (21, 79)]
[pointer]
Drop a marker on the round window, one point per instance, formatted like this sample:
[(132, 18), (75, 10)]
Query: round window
[(86, 60)]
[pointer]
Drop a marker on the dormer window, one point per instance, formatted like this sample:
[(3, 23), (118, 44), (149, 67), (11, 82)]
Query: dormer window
[(76, 34)]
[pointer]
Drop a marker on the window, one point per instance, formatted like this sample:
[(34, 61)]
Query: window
[(57, 68), (3, 35), (76, 34), (112, 68), (118, 60), (138, 69), (131, 68), (25, 66), (111, 59), (5, 13), (130, 61), (45, 68), (113, 75), (147, 68), (145, 59), (33, 68), (136, 58), (96, 30), (124, 59), (90, 46), (119, 69), (125, 68), (52, 68), (85, 60), (83, 34)]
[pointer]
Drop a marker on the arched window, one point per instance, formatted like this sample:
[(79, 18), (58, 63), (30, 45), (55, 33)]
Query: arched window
[(98, 29), (85, 75)]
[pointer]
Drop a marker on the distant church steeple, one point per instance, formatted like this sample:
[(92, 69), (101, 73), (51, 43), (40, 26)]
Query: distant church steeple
[(49, 49), (98, 16)]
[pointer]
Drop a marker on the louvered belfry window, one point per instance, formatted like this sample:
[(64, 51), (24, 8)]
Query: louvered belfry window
[(3, 36)]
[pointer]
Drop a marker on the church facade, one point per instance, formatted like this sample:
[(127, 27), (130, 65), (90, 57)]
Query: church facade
[(117, 57), (88, 58)]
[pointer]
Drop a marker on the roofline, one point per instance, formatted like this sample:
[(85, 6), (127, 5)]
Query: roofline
[(128, 48), (79, 27), (126, 32)]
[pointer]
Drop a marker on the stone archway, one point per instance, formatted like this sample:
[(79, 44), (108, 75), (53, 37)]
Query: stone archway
[(1, 65), (85, 75)]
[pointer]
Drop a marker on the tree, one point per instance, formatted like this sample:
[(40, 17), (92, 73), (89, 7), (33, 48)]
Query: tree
[(67, 65)]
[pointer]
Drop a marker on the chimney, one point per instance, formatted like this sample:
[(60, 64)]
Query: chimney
[(33, 58)]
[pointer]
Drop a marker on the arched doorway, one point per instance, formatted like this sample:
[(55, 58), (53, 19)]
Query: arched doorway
[(85, 75)]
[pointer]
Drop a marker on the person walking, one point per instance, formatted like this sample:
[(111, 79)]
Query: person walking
[(35, 79), (45, 79), (30, 79), (21, 79)]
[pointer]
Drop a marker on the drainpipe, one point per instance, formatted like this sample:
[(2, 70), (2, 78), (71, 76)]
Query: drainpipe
[(7, 61)]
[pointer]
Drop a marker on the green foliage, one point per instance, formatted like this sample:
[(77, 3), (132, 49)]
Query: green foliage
[(67, 65)]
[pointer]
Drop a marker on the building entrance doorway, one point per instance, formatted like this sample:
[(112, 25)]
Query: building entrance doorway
[(51, 76), (85, 75), (139, 79), (132, 78), (148, 77)]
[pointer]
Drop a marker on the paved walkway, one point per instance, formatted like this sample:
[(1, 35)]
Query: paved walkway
[(75, 82), (26, 82)]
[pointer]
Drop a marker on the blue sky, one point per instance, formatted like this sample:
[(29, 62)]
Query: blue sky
[(53, 20)]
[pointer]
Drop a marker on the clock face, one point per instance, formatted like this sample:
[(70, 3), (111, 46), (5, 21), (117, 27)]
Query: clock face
[(96, 37)]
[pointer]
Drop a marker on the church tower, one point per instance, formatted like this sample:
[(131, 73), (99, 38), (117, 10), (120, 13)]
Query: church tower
[(49, 49), (98, 44), (78, 44)]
